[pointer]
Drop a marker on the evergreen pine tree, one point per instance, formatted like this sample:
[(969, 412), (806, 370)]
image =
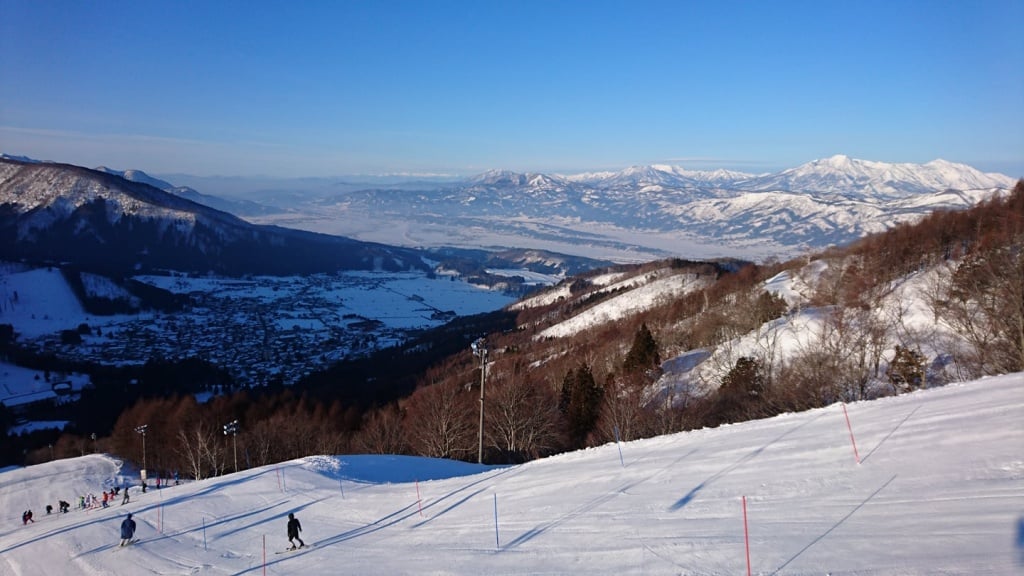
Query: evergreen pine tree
[(907, 370), (741, 394), (643, 354), (581, 403)]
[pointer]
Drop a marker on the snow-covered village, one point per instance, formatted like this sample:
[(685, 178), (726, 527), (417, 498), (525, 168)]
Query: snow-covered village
[(512, 288), (258, 329)]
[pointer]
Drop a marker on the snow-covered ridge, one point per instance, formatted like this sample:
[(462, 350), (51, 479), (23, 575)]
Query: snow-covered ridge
[(841, 174), (636, 214), (61, 190), (836, 174), (638, 293)]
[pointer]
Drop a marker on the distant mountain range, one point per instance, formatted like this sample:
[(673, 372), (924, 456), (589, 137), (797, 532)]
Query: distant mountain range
[(836, 175), (657, 211), (122, 223), (642, 212), (103, 221)]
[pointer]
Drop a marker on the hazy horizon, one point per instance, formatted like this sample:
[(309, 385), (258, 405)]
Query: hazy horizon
[(327, 89)]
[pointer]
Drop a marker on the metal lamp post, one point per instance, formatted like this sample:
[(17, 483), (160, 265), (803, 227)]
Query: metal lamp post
[(479, 347), (232, 429), (142, 431)]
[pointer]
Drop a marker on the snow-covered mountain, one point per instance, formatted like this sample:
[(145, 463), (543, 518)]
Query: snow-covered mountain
[(864, 179), (659, 175), (693, 213), (639, 213), (140, 176), (237, 207), (58, 212)]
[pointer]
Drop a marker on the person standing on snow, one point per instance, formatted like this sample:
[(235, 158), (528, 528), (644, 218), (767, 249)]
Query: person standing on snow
[(127, 530), (293, 531)]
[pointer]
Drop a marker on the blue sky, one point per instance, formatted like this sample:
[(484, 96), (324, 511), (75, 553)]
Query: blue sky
[(387, 86)]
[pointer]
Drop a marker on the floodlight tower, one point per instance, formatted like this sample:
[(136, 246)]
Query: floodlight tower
[(479, 347), (232, 429), (141, 430)]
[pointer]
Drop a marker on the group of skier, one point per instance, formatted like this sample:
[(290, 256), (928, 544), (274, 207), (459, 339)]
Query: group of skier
[(128, 524), (294, 527), (84, 503)]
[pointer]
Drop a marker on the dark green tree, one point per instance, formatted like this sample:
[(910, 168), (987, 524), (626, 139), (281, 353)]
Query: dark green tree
[(769, 306), (907, 370), (643, 354), (580, 403), (741, 394)]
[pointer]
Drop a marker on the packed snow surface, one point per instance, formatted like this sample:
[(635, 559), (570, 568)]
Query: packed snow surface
[(938, 489)]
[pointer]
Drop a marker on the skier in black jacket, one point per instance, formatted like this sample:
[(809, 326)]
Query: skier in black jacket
[(293, 531), (127, 530)]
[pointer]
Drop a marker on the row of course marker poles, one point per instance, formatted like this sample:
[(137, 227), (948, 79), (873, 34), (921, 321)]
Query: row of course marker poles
[(746, 531)]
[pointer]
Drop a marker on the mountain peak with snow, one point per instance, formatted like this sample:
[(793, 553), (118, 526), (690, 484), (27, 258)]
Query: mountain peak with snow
[(841, 174), (838, 161)]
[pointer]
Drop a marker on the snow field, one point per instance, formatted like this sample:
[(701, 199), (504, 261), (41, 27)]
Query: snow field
[(938, 491)]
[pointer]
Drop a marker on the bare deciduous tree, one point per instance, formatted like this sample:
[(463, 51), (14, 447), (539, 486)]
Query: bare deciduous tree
[(193, 447), (382, 432), (440, 421), (523, 417)]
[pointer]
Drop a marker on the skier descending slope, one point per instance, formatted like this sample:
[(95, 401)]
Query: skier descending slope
[(293, 531), (127, 530)]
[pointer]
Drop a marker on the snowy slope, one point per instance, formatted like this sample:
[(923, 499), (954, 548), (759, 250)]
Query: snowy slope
[(641, 293), (38, 302), (938, 490)]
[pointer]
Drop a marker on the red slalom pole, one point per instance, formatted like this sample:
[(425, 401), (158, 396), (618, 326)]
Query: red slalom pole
[(850, 428), (746, 534)]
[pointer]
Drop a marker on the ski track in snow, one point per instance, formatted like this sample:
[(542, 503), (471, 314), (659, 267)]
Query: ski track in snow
[(938, 490)]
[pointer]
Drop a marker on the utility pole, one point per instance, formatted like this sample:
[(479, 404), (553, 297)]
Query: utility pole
[(232, 428), (479, 347)]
